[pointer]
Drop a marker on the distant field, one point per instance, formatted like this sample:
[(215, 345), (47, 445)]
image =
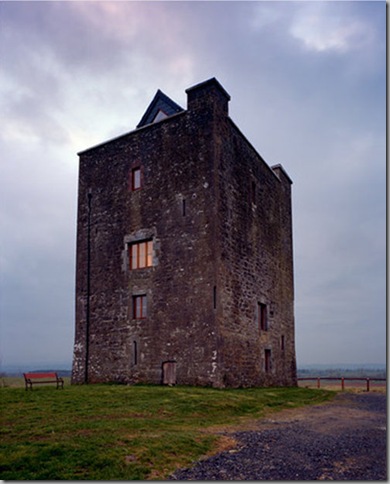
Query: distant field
[(118, 432)]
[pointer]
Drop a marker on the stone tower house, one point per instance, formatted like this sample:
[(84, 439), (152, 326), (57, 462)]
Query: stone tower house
[(184, 269)]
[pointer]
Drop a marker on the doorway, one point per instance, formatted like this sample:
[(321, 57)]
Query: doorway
[(169, 373)]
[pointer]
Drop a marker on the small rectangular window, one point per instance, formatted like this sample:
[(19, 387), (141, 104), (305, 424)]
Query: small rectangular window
[(267, 360), (262, 316), (136, 179), (141, 254), (282, 343), (140, 307)]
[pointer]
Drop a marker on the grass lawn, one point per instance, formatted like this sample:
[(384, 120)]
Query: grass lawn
[(117, 432)]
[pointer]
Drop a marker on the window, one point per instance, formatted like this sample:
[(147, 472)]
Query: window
[(282, 343), (262, 316), (267, 360), (140, 307), (141, 254), (159, 116), (136, 178), (135, 353)]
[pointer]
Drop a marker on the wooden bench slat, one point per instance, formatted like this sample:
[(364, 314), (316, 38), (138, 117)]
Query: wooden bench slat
[(40, 375), (43, 381)]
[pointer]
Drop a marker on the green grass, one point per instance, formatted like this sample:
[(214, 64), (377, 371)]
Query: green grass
[(116, 432)]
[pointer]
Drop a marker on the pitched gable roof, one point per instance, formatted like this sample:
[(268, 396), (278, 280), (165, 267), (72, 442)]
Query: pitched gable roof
[(160, 107)]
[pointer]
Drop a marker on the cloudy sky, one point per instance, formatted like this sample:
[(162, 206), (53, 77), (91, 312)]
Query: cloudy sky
[(307, 81)]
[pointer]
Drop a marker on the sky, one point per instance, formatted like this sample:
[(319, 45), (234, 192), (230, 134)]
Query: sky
[(308, 89)]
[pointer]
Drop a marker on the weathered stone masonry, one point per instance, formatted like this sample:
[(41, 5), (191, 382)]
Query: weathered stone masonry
[(217, 296)]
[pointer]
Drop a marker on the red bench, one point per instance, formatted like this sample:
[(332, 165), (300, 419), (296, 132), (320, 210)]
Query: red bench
[(33, 378)]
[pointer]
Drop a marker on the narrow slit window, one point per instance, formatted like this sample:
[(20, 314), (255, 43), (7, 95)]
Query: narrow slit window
[(135, 353), (136, 178), (262, 316), (184, 208), (267, 360), (215, 297), (140, 307), (282, 343)]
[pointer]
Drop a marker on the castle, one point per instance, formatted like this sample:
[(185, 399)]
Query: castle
[(184, 270)]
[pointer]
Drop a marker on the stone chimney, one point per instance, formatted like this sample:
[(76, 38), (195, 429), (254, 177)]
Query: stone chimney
[(208, 95)]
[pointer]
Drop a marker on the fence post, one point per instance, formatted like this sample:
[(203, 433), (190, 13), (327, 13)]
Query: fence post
[(342, 383), (368, 384)]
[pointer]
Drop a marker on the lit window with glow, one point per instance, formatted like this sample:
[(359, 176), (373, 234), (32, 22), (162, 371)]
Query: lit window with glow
[(141, 254)]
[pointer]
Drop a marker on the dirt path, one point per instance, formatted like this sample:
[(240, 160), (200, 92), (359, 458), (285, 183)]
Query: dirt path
[(341, 440)]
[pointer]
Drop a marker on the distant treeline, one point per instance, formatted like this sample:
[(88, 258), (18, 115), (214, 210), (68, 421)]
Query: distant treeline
[(342, 372)]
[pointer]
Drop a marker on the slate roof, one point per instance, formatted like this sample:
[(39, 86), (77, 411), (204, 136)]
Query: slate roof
[(160, 102)]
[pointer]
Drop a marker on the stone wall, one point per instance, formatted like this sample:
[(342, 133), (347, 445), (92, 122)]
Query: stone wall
[(220, 222), (256, 266)]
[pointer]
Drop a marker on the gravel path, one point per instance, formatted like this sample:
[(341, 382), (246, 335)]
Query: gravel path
[(342, 440)]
